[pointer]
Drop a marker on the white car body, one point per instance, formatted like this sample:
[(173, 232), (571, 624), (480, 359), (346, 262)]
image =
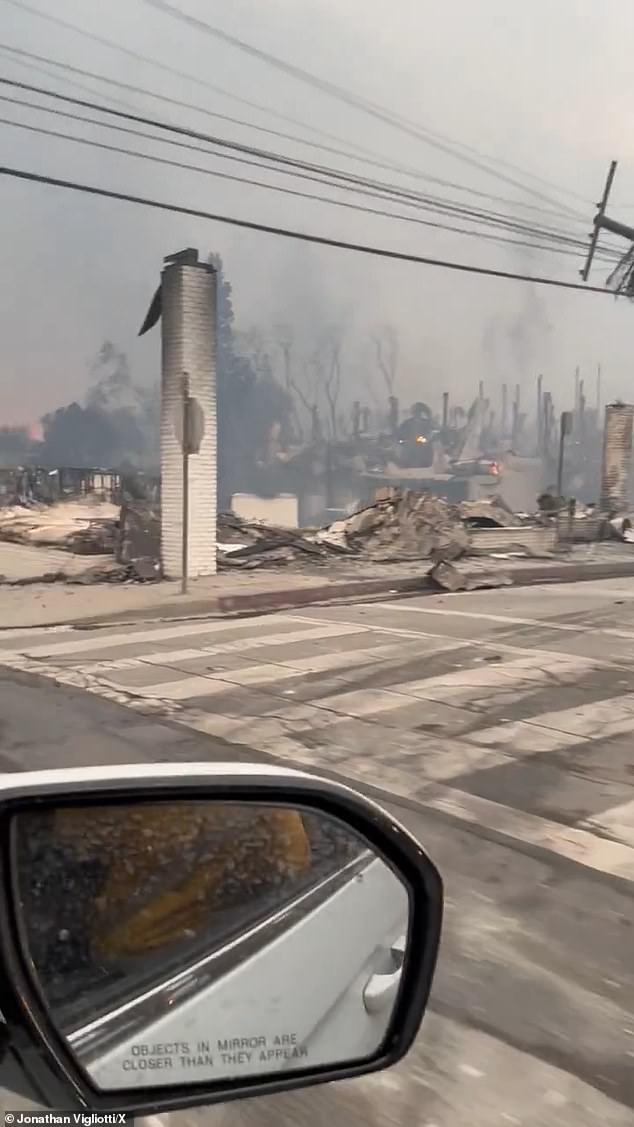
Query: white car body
[(299, 1000)]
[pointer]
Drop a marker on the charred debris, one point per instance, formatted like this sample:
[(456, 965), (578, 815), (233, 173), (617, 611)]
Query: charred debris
[(423, 487)]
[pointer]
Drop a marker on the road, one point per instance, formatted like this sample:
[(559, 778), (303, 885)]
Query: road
[(498, 726)]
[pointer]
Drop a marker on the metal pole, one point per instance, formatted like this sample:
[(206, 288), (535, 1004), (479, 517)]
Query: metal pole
[(548, 422), (565, 428), (185, 518), (540, 421), (560, 464)]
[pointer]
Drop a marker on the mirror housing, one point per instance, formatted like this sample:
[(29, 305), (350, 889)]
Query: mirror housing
[(47, 1056)]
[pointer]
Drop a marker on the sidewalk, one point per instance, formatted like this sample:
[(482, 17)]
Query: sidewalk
[(261, 592)]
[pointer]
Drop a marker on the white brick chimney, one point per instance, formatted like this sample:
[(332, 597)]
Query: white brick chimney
[(188, 333)]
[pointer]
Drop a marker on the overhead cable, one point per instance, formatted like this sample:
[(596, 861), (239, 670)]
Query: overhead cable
[(300, 236)]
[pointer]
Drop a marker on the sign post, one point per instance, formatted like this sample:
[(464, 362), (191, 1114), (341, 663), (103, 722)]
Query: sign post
[(565, 428), (185, 520), (193, 428)]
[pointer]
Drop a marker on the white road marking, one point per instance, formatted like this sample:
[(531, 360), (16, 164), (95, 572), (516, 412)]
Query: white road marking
[(321, 663), (273, 734), (461, 686), (617, 822), (27, 632), (237, 645), (508, 620), (523, 737), (95, 640), (577, 845), (581, 846), (185, 689), (199, 686), (457, 641)]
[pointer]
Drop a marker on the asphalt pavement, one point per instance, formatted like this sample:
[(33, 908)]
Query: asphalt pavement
[(499, 727)]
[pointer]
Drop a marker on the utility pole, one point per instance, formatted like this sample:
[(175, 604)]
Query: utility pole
[(599, 220)]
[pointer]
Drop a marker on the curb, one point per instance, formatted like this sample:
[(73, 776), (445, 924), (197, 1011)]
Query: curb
[(329, 594)]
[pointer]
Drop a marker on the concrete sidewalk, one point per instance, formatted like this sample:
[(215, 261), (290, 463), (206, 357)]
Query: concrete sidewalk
[(261, 592)]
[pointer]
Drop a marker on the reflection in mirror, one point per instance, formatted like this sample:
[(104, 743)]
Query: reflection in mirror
[(180, 942)]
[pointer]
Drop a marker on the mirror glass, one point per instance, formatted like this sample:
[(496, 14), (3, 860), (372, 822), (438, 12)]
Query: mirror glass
[(184, 941)]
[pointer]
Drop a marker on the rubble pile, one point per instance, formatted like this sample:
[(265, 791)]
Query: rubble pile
[(85, 526), (402, 526), (399, 527), (250, 544)]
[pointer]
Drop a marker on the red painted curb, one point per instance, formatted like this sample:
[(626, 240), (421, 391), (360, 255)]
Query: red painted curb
[(301, 597)]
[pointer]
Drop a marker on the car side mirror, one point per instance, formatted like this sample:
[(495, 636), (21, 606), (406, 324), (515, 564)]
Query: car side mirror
[(179, 935)]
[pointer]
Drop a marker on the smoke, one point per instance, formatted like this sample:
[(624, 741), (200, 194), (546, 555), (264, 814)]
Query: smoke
[(117, 427), (516, 347)]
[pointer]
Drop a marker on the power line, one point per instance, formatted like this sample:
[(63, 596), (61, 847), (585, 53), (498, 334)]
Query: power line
[(140, 57), (313, 197), (350, 177), (300, 236), (350, 182), (21, 53), (366, 155), (436, 140), (568, 247), (73, 83)]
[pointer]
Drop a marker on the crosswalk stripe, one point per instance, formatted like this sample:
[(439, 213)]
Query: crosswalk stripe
[(461, 686), (109, 641), (618, 821), (186, 689), (26, 632), (321, 663), (554, 731), (523, 737), (599, 719), (578, 845), (237, 645)]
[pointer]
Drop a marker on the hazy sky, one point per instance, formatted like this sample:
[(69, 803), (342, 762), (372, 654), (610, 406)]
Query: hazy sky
[(546, 86)]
